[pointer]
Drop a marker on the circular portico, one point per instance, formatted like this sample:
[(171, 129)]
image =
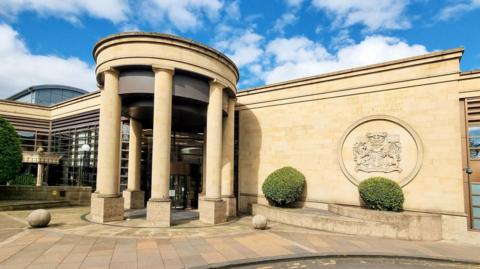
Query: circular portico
[(163, 83)]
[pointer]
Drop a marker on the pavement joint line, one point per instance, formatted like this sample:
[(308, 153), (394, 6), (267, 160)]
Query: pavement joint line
[(21, 220), (293, 243), (14, 237), (327, 255)]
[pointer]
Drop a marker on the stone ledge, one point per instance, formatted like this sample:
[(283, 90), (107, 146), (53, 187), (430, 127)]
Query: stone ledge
[(71, 194), (408, 228)]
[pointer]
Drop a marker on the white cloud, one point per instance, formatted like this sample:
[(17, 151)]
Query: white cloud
[(70, 10), (300, 57), (458, 9), (243, 49), (232, 10), (285, 20), (294, 3), (296, 49), (378, 14), (20, 69), (184, 15)]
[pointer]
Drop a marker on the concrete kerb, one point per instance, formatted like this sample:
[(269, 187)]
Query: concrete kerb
[(330, 255), (84, 217)]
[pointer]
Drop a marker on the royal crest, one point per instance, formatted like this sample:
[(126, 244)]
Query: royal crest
[(377, 152)]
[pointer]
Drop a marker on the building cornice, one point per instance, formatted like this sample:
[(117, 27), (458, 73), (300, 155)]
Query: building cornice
[(129, 37), (363, 70)]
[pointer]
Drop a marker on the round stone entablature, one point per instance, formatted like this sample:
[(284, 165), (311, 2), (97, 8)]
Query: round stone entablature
[(383, 146), (141, 49)]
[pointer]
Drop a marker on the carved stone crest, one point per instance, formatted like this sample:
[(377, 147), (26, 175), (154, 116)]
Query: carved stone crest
[(377, 152)]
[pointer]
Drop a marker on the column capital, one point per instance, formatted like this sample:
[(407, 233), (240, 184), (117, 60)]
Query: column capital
[(111, 70), (164, 68), (216, 83)]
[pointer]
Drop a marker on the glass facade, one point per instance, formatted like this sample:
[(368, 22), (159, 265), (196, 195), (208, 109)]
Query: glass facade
[(78, 164), (47, 95), (32, 140)]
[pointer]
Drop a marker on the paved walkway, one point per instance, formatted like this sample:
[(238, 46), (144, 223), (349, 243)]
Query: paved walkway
[(72, 242)]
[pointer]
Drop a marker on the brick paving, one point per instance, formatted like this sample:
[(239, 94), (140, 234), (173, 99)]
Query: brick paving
[(72, 242)]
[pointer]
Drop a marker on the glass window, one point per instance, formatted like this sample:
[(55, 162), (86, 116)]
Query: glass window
[(26, 99), (476, 200), (476, 212), (476, 189), (476, 223), (77, 166), (474, 142)]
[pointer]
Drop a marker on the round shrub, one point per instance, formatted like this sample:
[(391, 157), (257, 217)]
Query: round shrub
[(381, 193), (10, 152), (284, 186)]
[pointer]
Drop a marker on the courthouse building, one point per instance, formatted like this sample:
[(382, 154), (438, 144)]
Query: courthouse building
[(167, 128)]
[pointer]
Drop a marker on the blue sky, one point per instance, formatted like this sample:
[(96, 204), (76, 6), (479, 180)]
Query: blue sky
[(50, 41)]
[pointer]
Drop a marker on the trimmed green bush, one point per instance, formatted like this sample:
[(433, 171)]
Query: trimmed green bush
[(24, 180), (284, 186), (381, 193), (10, 152)]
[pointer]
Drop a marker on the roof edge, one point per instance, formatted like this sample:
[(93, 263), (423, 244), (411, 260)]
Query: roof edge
[(165, 36), (44, 86), (356, 69)]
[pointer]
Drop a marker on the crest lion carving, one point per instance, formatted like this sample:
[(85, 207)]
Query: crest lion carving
[(377, 152)]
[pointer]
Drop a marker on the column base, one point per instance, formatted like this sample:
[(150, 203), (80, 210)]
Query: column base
[(158, 212), (231, 206), (105, 209), (212, 211), (134, 199)]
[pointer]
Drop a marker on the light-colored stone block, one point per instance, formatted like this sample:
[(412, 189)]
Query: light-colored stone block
[(230, 206), (39, 218), (158, 212), (134, 199), (259, 222), (212, 211), (104, 209)]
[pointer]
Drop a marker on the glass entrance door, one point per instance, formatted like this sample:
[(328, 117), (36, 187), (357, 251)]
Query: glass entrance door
[(178, 191)]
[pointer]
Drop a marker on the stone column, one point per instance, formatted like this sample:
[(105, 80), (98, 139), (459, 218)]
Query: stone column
[(107, 203), (158, 207), (212, 207), (39, 174), (204, 163), (228, 160), (133, 196)]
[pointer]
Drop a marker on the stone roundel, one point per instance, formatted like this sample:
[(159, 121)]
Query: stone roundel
[(380, 145)]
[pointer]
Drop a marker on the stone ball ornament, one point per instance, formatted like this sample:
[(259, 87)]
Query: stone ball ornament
[(259, 222), (39, 218)]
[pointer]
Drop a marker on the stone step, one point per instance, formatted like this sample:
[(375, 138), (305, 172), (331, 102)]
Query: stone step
[(329, 221), (411, 225), (26, 205)]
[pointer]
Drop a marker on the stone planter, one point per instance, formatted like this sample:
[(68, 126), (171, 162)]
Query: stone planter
[(359, 221)]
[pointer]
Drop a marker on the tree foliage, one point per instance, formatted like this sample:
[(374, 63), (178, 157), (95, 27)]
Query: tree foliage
[(10, 152)]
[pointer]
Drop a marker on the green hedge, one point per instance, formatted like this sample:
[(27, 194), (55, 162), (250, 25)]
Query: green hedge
[(381, 193), (284, 186), (24, 180), (10, 152)]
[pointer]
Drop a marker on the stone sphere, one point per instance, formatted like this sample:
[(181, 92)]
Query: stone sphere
[(39, 218), (259, 222)]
